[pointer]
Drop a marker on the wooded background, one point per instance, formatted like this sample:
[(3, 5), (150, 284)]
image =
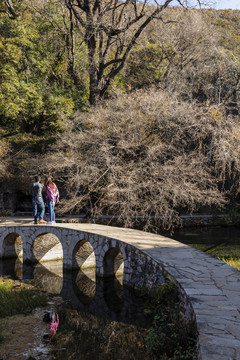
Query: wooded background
[(132, 108)]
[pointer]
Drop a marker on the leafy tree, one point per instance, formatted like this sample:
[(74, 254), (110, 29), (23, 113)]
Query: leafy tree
[(6, 6), (66, 49), (4, 157), (143, 66), (31, 96)]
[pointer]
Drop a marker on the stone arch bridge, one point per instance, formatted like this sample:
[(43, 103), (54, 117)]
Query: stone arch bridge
[(209, 289)]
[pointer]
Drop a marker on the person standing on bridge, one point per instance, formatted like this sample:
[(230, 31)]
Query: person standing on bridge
[(37, 200), (52, 197)]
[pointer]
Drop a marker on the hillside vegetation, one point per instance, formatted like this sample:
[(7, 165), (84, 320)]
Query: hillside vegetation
[(162, 140)]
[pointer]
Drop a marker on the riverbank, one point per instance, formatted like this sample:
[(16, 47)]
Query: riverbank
[(22, 326)]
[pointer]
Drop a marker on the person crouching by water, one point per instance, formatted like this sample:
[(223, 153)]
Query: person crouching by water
[(52, 197), (37, 200)]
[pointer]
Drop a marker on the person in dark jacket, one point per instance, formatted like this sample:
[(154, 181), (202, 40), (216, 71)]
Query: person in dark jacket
[(37, 200)]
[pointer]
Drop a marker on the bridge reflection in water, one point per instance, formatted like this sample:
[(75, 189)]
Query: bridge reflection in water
[(81, 289)]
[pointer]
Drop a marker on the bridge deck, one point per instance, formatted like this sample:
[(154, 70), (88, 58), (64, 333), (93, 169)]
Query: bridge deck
[(212, 286)]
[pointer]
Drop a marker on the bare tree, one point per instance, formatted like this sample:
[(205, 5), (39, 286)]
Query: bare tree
[(110, 29), (171, 50), (144, 157)]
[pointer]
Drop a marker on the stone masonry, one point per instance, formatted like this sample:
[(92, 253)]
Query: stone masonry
[(209, 288)]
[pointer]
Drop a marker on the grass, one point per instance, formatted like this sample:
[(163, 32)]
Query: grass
[(229, 253), (234, 262), (18, 299)]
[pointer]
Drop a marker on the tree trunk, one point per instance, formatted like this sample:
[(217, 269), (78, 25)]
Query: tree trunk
[(93, 73)]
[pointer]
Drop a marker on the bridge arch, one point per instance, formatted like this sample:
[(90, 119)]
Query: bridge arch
[(46, 246), (37, 235), (12, 246), (84, 267), (6, 235), (12, 249), (113, 263), (83, 255)]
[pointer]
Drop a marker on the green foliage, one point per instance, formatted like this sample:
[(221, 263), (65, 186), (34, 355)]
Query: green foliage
[(162, 152), (38, 91), (227, 22), (59, 108), (232, 213), (143, 66), (195, 52), (18, 300), (170, 336), (35, 89)]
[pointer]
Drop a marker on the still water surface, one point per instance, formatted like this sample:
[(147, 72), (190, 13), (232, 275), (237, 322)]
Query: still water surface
[(99, 318), (81, 290), (208, 238)]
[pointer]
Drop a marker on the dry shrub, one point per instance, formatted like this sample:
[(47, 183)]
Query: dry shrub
[(4, 159), (145, 157)]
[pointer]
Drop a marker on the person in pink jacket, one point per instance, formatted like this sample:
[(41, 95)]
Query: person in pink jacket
[(52, 197), (52, 318), (54, 324)]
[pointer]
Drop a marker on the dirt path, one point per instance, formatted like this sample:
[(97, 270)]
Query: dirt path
[(23, 337)]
